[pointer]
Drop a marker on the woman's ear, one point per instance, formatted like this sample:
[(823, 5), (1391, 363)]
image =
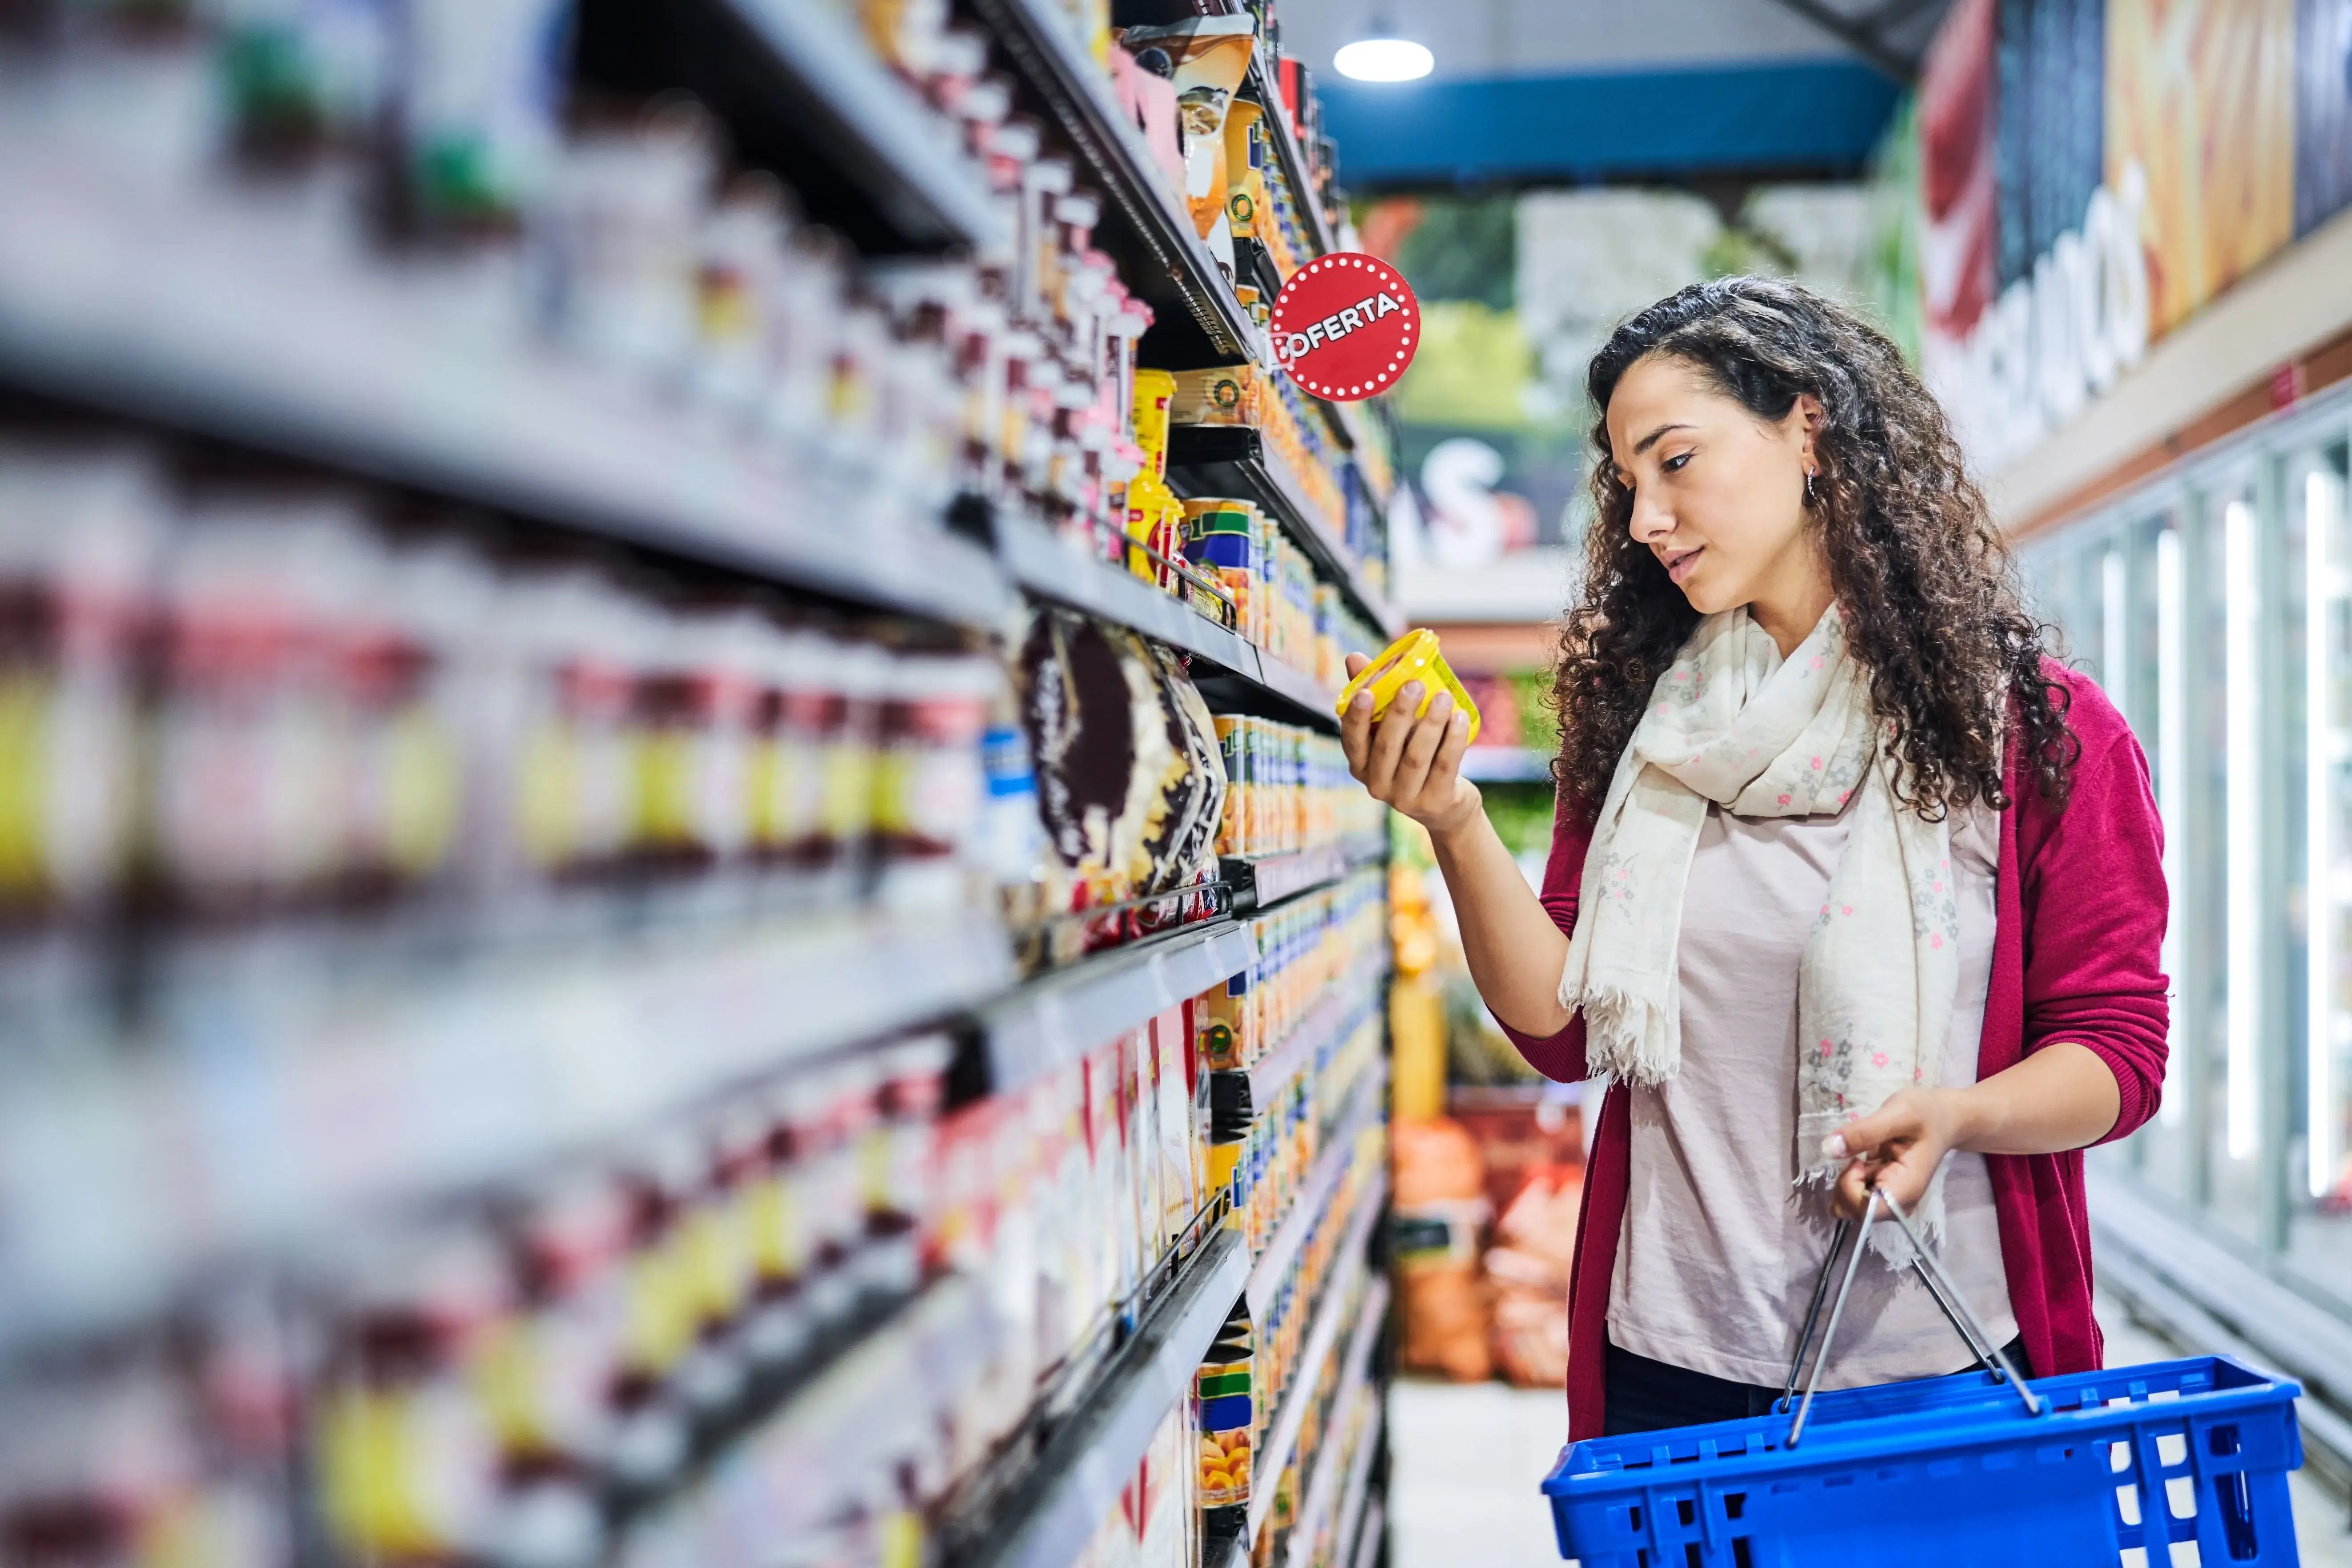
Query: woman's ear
[(1803, 422)]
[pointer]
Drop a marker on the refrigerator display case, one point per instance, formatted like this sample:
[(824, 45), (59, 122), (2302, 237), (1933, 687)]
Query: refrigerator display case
[(2214, 607)]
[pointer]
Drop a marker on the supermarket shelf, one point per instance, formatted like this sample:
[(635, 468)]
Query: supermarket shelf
[(253, 335), (1294, 684), (1505, 764), (878, 1400), (1275, 1070), (1254, 265), (1077, 1480), (283, 1105), (1164, 259), (1059, 1018), (1265, 85), (1052, 568), (882, 138), (1367, 1554), (1273, 1265), (1356, 1500), (1322, 1340), (1325, 1484), (1232, 461), (1259, 881)]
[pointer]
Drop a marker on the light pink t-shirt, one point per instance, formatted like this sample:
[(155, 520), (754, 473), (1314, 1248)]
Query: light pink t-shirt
[(1720, 1250)]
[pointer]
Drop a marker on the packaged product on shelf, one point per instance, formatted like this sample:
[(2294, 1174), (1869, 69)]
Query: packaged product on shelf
[(1223, 394), (480, 94), (622, 236), (991, 1230), (179, 1434), (1175, 1075), (901, 1163), (1288, 1134), (266, 594), (929, 778), (1303, 947), (81, 533), (1152, 1522), (1225, 1399), (405, 1451), (1127, 775), (1245, 198), (1221, 537), (549, 1369), (1207, 57), (1288, 789), (1155, 518), (577, 644), (698, 704)]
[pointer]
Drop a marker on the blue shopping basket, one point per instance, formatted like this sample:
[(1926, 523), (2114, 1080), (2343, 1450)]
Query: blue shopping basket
[(2114, 1467)]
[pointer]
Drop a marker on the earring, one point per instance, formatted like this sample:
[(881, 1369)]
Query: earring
[(1809, 486)]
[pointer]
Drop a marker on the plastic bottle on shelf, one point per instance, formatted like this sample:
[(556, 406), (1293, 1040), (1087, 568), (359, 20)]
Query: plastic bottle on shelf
[(81, 532), (548, 1371)]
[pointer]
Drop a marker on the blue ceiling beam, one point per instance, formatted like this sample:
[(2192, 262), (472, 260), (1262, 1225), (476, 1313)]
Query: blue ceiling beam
[(1822, 115)]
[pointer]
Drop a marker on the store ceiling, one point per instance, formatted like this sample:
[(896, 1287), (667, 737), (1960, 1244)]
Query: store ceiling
[(1530, 91)]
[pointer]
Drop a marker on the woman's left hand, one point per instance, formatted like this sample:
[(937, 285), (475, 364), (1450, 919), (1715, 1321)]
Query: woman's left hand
[(1896, 1147)]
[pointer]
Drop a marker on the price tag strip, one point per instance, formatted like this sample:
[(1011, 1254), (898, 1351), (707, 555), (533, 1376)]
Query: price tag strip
[(1345, 326)]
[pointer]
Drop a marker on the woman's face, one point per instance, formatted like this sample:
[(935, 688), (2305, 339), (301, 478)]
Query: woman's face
[(1718, 494)]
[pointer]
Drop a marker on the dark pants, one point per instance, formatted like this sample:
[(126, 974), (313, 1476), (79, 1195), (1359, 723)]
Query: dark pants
[(1646, 1396)]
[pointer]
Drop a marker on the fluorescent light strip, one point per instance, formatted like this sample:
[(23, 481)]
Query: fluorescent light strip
[(2114, 608), (2172, 787), (2323, 745), (2243, 603)]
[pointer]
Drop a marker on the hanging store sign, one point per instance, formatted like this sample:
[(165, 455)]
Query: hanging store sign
[(1345, 326)]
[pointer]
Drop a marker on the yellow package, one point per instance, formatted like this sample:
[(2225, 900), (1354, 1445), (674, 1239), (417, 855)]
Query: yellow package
[(1155, 396), (1412, 656), (1154, 516)]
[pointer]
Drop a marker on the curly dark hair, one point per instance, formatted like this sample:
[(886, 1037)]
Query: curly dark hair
[(1915, 560)]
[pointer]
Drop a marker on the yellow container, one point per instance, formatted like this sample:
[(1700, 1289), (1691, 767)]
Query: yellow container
[(1412, 656)]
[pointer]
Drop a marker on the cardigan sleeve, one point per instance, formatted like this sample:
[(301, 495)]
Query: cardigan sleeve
[(1559, 1056), (2092, 882)]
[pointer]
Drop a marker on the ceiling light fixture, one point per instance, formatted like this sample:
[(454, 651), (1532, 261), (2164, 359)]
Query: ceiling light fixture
[(1384, 55)]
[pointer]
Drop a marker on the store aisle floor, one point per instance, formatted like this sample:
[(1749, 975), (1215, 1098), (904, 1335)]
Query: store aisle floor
[(1468, 1457)]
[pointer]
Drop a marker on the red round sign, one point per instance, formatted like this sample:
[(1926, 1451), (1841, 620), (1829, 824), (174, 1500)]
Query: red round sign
[(1345, 327)]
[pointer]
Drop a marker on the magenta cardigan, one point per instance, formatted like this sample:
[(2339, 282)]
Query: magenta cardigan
[(2080, 907)]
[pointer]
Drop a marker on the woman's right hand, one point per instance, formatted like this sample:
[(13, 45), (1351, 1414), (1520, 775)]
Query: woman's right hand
[(1412, 764)]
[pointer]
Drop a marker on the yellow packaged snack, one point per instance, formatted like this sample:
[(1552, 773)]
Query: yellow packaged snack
[(1412, 656)]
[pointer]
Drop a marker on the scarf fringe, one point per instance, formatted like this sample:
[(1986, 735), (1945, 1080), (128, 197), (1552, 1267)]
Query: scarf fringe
[(1629, 1033)]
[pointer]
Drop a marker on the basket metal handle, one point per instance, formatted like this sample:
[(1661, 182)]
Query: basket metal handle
[(1947, 1295)]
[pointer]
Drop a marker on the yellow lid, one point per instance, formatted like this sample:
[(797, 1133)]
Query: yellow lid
[(1412, 656)]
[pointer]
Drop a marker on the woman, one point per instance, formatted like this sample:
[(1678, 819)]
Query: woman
[(1850, 883)]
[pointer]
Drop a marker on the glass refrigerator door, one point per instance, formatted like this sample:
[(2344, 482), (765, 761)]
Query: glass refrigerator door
[(2162, 1148), (2320, 1237)]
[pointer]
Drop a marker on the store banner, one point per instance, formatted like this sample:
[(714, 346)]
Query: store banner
[(2200, 95), (2036, 284), (2084, 176), (2323, 111)]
